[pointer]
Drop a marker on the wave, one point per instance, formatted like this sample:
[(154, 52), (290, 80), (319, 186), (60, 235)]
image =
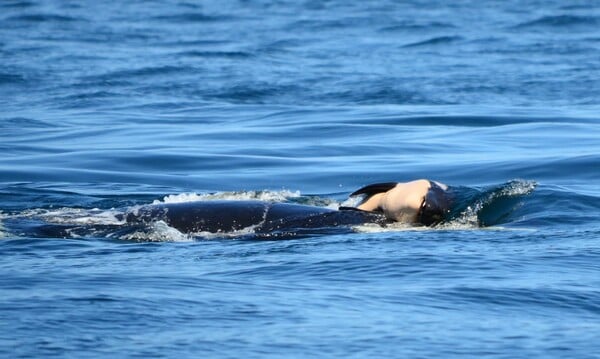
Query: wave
[(10, 79), (472, 120), (439, 40), (149, 71), (271, 196), (157, 231), (434, 25), (17, 4), (73, 216), (487, 208), (85, 99), (586, 301), (561, 21), (10, 123), (3, 232), (581, 6), (42, 18), (191, 18), (382, 94), (216, 54), (254, 93)]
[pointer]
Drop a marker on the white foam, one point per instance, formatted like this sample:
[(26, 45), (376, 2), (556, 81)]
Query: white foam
[(407, 227), (450, 226), (351, 202), (468, 218), (75, 216), (517, 188), (269, 196), (159, 231), (233, 234), (2, 229), (392, 227)]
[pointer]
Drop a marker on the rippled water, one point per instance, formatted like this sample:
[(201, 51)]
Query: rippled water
[(105, 107)]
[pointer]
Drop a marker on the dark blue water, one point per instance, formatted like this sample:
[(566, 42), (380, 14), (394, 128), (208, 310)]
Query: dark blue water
[(111, 106)]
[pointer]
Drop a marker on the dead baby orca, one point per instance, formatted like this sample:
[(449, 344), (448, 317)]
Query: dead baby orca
[(421, 202)]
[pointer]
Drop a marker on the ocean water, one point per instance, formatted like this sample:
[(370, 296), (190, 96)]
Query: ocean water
[(106, 107)]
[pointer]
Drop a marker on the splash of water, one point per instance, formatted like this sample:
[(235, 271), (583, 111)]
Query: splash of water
[(2, 229), (76, 216), (157, 231), (266, 195), (470, 217)]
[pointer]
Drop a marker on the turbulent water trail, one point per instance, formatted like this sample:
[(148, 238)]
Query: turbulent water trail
[(471, 209)]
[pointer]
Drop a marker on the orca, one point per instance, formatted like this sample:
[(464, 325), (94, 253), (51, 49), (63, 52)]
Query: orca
[(420, 202)]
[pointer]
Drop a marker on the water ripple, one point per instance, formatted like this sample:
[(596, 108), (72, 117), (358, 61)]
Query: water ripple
[(41, 18), (192, 18), (440, 40), (584, 301), (560, 21)]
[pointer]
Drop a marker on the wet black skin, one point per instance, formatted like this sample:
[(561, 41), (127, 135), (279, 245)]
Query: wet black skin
[(228, 216), (261, 218)]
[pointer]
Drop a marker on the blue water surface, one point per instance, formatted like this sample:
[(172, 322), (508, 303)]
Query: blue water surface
[(105, 106)]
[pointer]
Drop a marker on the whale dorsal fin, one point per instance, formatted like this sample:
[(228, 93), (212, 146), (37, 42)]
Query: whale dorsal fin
[(375, 188)]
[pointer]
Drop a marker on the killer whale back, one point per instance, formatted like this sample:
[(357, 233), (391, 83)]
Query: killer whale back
[(262, 217), (220, 216)]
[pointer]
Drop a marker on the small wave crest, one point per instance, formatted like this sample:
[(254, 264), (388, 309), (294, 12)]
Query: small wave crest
[(266, 195), (561, 21), (417, 26), (10, 79), (392, 227), (217, 54), (2, 229), (43, 17), (440, 40), (192, 18), (157, 231), (490, 207), (75, 216)]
